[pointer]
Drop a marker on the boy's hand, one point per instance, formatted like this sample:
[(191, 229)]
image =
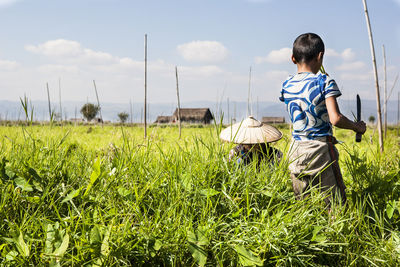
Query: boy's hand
[(360, 127)]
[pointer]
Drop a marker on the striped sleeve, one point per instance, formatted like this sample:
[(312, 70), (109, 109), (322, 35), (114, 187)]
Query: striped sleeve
[(331, 88)]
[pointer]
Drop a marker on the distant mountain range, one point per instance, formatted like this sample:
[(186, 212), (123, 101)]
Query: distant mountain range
[(12, 110)]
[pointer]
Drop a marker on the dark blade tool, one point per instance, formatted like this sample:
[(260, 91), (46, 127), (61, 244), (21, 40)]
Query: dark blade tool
[(358, 135)]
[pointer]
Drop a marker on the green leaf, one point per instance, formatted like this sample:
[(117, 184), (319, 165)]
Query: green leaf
[(209, 192), (390, 208), (23, 184), (34, 199), (315, 236), (3, 172), (72, 195), (22, 247), (157, 245), (186, 182), (123, 191), (95, 235), (105, 248), (54, 263), (11, 255), (237, 213), (396, 241), (246, 257), (196, 242), (96, 172), (9, 172), (60, 251), (50, 238)]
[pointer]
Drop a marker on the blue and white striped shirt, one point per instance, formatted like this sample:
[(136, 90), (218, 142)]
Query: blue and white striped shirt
[(304, 95)]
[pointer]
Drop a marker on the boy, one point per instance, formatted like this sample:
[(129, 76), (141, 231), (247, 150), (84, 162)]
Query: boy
[(310, 98)]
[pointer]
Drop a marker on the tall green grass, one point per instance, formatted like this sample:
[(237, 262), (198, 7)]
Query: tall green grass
[(106, 197)]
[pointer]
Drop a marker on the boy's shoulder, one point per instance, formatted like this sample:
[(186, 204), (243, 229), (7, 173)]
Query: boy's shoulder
[(307, 77), (305, 83)]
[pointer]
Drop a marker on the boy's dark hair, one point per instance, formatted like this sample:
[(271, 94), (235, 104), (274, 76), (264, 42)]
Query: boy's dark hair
[(307, 46)]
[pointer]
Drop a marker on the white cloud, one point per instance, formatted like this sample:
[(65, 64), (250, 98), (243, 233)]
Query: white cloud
[(346, 55), (57, 48), (203, 51), (331, 53), (7, 65), (351, 66), (282, 55), (7, 2), (69, 51)]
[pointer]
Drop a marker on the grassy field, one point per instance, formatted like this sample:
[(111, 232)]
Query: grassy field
[(104, 196)]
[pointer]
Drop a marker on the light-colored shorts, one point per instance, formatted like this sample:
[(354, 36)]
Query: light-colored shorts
[(315, 163)]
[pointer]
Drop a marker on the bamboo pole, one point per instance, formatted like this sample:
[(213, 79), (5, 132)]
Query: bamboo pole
[(131, 110), (394, 84), (234, 112), (179, 103), (398, 112), (145, 86), (227, 102), (257, 110), (384, 91), (59, 93), (378, 102), (48, 100), (98, 102), (75, 116), (248, 95)]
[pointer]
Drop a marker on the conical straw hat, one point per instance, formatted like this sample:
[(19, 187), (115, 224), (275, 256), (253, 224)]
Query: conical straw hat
[(250, 131)]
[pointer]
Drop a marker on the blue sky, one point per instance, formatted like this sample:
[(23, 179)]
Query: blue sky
[(213, 43)]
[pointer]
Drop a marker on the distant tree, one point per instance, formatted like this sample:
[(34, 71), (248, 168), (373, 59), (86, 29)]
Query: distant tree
[(371, 119), (123, 116), (89, 111)]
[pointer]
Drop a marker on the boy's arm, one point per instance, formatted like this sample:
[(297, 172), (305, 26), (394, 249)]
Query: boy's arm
[(339, 120)]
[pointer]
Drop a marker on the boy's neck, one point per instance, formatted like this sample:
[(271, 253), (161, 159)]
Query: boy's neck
[(307, 68)]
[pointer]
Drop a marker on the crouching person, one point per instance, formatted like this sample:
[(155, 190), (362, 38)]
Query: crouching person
[(253, 139)]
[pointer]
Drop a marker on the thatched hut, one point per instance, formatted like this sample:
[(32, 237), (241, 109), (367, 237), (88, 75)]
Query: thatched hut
[(164, 119), (273, 120), (194, 115)]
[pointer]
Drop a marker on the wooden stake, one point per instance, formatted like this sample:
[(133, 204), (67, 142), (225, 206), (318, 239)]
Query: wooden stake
[(391, 89), (48, 99), (378, 101), (59, 92), (257, 110), (179, 103), (145, 85), (398, 112), (98, 102), (384, 91), (248, 95), (131, 109), (234, 112), (227, 100)]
